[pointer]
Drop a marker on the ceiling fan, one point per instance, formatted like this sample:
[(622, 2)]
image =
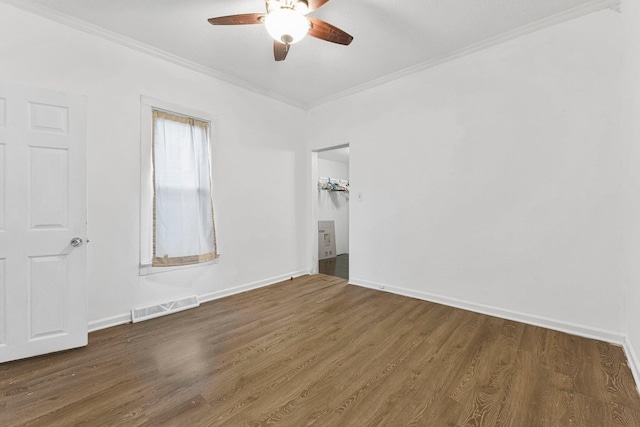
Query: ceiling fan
[(287, 22)]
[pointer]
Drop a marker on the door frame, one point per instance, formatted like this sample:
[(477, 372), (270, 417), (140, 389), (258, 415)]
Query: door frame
[(313, 258)]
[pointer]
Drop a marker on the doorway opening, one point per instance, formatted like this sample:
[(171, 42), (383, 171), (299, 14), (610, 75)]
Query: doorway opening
[(331, 202)]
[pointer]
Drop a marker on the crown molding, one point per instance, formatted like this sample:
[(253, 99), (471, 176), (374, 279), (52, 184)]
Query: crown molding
[(78, 24), (567, 15)]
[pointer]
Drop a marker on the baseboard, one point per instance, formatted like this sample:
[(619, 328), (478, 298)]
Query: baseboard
[(249, 286), (632, 360), (108, 322), (557, 325)]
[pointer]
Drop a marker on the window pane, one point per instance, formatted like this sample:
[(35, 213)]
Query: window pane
[(183, 223)]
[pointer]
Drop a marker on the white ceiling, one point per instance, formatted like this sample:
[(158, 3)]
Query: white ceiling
[(391, 38)]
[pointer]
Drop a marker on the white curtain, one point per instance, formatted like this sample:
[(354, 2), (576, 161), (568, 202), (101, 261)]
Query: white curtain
[(183, 224)]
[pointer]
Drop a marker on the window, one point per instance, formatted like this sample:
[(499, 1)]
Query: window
[(178, 226)]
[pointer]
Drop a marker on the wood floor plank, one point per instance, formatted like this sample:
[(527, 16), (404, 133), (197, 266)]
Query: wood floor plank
[(333, 362), (317, 351), (440, 366)]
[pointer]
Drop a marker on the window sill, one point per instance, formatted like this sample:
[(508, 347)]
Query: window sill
[(146, 269)]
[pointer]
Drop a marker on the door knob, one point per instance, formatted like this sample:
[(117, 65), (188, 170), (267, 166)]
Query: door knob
[(76, 242)]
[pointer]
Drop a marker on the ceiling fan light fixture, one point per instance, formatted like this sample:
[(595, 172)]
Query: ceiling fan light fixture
[(302, 6), (287, 25)]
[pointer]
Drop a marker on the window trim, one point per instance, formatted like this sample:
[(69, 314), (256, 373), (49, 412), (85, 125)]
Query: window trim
[(147, 105)]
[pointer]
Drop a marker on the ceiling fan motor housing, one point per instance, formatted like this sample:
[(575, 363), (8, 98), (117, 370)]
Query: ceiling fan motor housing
[(300, 6)]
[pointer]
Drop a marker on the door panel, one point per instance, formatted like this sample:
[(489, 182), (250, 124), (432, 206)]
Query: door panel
[(49, 118), (3, 170), (3, 109), (48, 188), (46, 296), (43, 191), (2, 301)]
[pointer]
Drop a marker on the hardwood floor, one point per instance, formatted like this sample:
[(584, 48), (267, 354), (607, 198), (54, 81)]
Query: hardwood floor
[(316, 351), (338, 266)]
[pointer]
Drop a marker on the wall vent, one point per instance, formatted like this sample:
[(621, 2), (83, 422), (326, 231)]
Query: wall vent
[(139, 314)]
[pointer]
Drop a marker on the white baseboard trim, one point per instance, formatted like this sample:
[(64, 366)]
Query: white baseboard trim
[(632, 360), (249, 286), (557, 325), (108, 322)]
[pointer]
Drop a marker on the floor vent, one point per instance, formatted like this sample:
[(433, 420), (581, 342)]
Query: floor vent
[(156, 310)]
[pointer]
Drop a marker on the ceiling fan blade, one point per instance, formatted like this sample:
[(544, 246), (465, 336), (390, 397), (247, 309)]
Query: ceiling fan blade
[(243, 19), (280, 50), (325, 31), (315, 4)]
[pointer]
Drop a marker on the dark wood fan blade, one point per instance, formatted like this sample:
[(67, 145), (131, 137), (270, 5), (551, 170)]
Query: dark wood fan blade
[(280, 50), (244, 19), (315, 4), (325, 31)]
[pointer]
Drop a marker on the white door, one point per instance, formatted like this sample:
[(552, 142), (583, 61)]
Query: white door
[(43, 296)]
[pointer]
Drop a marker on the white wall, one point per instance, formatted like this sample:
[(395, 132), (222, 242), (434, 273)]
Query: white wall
[(258, 223), (334, 205), (496, 181), (630, 124)]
